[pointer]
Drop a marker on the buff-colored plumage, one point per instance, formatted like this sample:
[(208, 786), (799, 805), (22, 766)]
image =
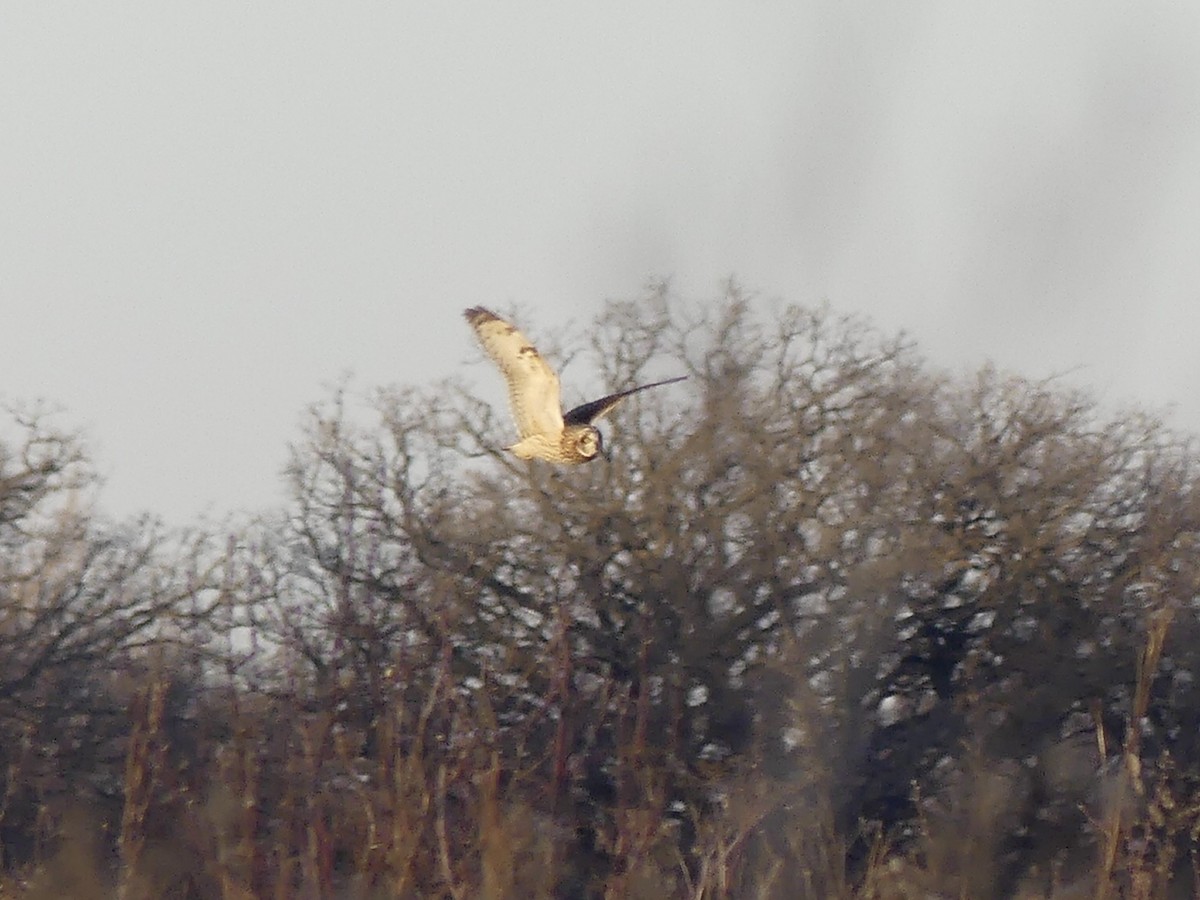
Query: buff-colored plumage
[(533, 387), (534, 396)]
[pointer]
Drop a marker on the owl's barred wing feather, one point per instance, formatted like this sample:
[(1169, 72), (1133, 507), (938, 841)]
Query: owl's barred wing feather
[(587, 413), (533, 390)]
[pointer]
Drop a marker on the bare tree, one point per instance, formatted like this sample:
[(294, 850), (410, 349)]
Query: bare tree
[(822, 557), (827, 624), (82, 602)]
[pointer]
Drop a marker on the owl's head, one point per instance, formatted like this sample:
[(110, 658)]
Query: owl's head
[(588, 443)]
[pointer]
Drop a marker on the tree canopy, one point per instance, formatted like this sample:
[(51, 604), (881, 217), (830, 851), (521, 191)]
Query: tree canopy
[(830, 622)]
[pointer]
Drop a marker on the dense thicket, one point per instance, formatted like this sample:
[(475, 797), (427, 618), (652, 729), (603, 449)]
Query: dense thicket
[(828, 624)]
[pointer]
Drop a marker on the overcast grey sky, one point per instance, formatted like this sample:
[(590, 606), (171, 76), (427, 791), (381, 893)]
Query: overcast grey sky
[(210, 210)]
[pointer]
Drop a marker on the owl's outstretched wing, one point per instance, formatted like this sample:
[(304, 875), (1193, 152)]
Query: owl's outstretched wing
[(587, 413), (533, 391)]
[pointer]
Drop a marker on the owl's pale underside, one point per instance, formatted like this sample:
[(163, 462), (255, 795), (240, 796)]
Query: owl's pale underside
[(533, 394)]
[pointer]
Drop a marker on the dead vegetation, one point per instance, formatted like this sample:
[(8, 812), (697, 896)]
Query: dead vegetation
[(839, 629)]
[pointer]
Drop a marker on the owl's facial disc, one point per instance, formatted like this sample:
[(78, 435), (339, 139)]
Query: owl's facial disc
[(589, 443)]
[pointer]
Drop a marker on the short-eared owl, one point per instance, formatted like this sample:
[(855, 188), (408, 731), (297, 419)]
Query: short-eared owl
[(533, 393)]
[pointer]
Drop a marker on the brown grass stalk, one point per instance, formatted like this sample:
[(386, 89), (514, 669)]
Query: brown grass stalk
[(144, 763)]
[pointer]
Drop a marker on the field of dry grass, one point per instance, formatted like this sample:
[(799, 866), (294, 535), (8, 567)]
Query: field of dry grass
[(254, 796)]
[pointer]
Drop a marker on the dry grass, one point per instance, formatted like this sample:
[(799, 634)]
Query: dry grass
[(291, 803)]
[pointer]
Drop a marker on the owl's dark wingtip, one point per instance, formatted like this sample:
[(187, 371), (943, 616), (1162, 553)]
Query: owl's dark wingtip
[(661, 383)]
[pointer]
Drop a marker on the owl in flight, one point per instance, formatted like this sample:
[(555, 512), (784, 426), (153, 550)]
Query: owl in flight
[(533, 393)]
